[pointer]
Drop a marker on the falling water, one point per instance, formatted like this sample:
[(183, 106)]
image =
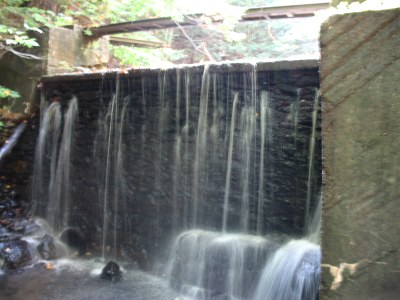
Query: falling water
[(207, 160), (311, 154), (292, 273), (222, 265), (229, 164), (209, 265), (109, 144), (264, 121), (58, 213), (52, 164), (294, 114), (201, 148), (186, 156), (47, 141), (177, 150), (247, 125)]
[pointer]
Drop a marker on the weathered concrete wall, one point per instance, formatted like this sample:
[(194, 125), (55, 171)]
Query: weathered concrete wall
[(361, 94), (69, 50), (61, 50), (22, 74)]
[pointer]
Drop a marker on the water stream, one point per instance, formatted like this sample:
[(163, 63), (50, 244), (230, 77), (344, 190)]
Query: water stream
[(209, 180)]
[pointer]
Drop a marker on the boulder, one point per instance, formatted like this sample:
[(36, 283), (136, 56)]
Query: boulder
[(47, 247), (111, 272), (16, 254)]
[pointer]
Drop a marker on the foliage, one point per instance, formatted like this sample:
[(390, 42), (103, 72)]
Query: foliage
[(18, 16), (7, 93), (15, 37)]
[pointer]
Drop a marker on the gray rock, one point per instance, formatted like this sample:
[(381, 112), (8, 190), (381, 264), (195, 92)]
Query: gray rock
[(47, 248), (16, 254), (111, 272)]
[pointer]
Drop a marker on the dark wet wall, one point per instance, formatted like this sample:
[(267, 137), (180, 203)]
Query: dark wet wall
[(158, 159)]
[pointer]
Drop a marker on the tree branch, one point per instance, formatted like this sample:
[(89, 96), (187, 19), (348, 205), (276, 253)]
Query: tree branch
[(4, 49)]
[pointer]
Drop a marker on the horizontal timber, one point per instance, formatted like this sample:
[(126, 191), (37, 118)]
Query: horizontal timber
[(253, 14)]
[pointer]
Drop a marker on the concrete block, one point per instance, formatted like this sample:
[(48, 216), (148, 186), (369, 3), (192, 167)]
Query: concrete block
[(360, 70)]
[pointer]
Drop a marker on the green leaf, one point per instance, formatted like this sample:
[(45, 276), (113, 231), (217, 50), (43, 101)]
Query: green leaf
[(30, 43), (11, 42), (33, 28), (88, 32), (7, 93)]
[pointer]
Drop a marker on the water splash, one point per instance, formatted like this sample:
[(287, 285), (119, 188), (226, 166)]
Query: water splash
[(292, 273), (209, 265)]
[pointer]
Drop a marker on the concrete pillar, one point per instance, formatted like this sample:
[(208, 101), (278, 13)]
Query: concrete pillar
[(69, 50), (360, 86)]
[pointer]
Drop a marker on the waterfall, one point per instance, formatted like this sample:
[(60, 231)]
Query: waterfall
[(264, 119), (214, 170), (201, 148), (110, 147), (186, 155), (292, 273), (311, 154), (177, 152), (229, 164), (58, 213), (48, 139), (222, 265), (211, 264), (51, 176)]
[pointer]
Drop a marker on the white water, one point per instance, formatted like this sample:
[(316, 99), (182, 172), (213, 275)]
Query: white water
[(292, 273), (214, 264)]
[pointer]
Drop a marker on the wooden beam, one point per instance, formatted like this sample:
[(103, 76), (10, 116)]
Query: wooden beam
[(122, 41), (253, 14), (273, 12)]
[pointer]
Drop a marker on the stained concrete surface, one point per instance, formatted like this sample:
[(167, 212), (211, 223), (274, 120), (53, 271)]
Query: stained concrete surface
[(361, 104)]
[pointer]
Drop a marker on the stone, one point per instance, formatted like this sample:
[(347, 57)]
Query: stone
[(111, 272), (16, 254), (47, 248), (18, 225), (6, 236), (32, 228)]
